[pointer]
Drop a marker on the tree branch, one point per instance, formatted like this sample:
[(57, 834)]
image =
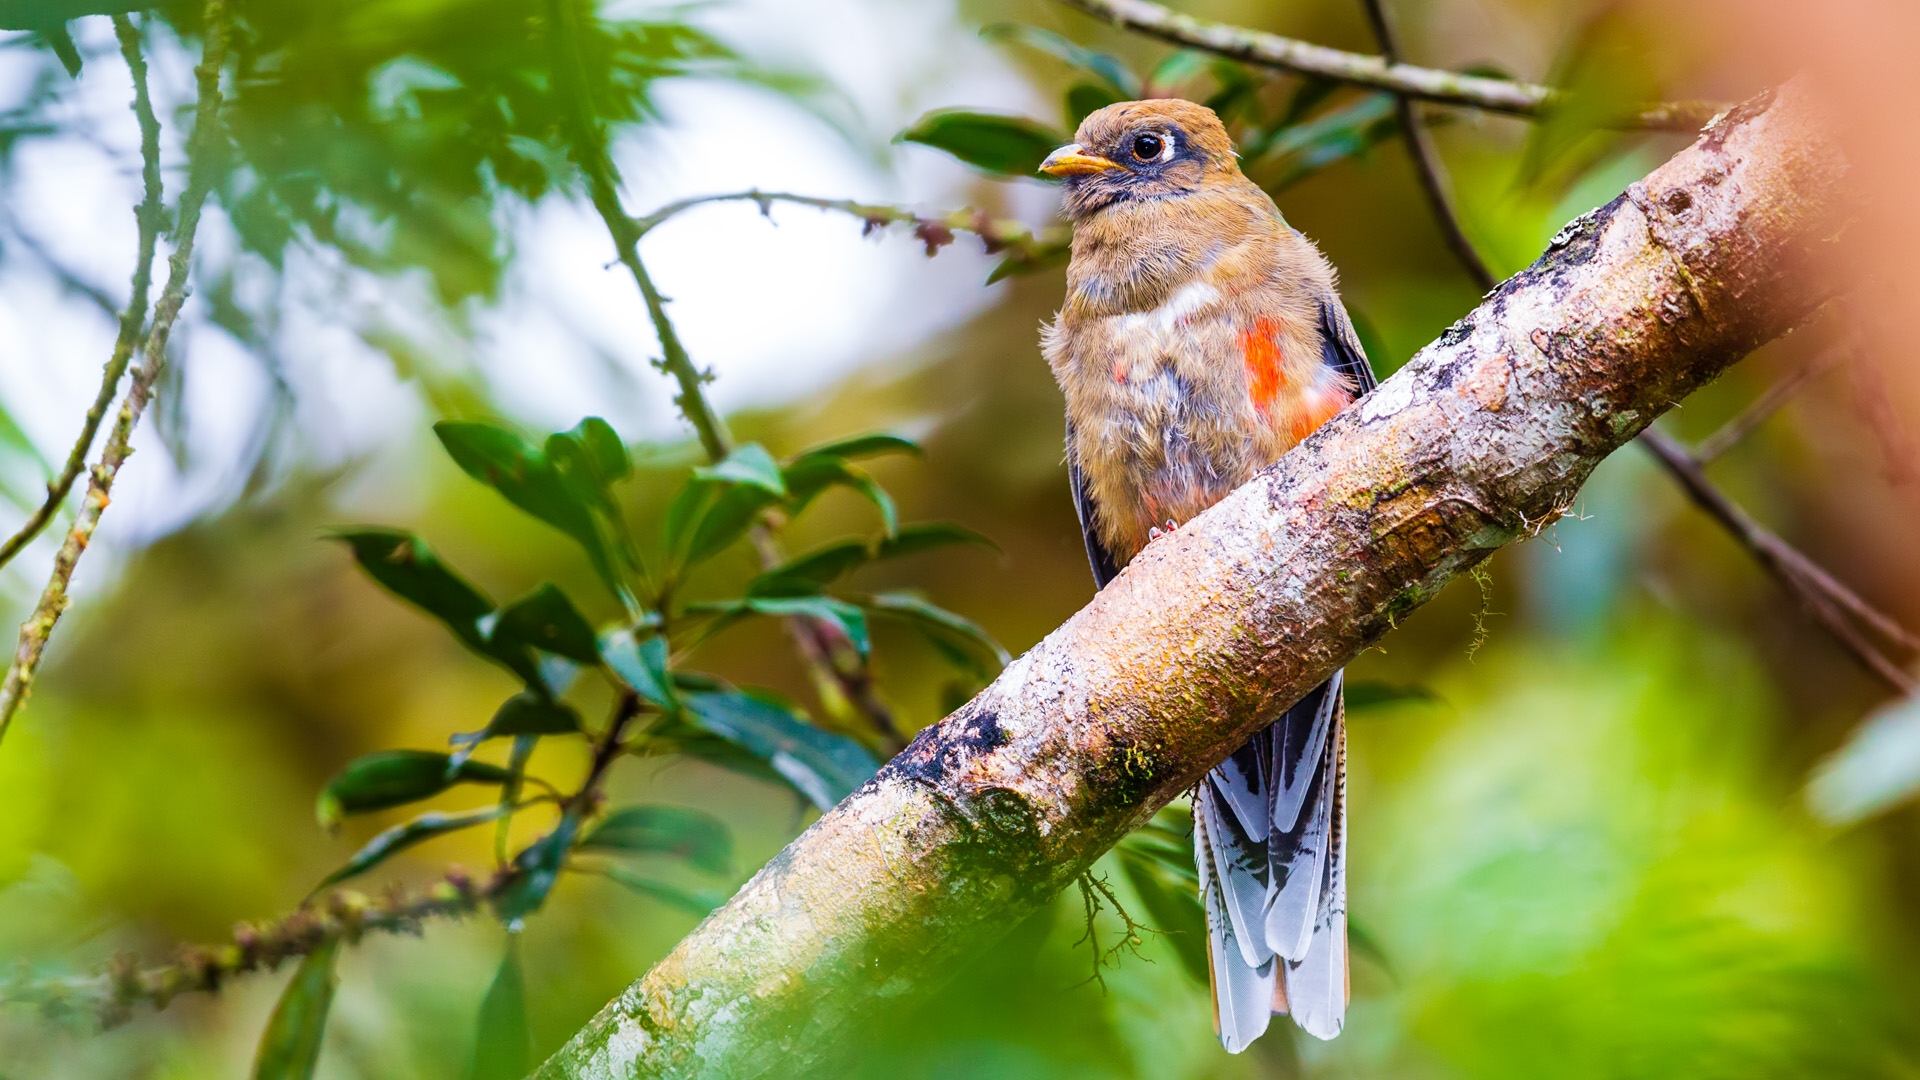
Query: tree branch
[(1823, 596), (1723, 439), (1427, 84), (53, 600), (1482, 437), (255, 947), (149, 215), (1426, 160)]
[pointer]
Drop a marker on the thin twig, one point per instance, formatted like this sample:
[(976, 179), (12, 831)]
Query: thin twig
[(148, 214), (588, 140), (1426, 160), (998, 235), (1442, 87), (1824, 597), (345, 914), (53, 600), (1768, 403)]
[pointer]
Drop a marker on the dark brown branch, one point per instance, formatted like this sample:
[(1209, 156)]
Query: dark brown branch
[(1820, 593), (1426, 160), (148, 215), (1710, 448), (119, 446), (1426, 84)]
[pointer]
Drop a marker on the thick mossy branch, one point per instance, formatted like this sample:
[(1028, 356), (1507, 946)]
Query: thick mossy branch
[(1484, 436)]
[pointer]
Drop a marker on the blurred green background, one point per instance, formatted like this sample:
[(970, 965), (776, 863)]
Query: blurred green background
[(1580, 850)]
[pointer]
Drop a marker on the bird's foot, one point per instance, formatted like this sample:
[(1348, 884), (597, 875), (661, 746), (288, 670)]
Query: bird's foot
[(1156, 532)]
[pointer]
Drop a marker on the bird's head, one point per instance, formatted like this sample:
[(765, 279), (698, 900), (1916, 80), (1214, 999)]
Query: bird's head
[(1142, 150)]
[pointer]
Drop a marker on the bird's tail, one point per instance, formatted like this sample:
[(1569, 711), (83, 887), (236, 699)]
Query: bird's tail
[(1270, 839)]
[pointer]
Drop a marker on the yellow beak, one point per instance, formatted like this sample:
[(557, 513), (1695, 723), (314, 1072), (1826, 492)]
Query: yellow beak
[(1069, 161)]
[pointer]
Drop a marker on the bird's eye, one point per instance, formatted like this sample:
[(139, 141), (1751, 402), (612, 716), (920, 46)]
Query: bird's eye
[(1148, 147)]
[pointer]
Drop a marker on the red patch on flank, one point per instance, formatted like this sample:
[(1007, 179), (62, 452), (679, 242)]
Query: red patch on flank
[(1120, 373), (1260, 347)]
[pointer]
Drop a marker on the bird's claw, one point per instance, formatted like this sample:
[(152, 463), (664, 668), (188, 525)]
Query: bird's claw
[(1156, 532)]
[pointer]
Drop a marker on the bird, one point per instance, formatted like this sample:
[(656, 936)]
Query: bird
[(1202, 337)]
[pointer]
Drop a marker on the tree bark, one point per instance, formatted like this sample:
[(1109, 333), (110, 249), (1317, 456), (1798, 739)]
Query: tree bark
[(1483, 438)]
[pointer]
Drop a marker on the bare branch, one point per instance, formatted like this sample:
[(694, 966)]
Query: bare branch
[(255, 947), (999, 235), (149, 215), (1427, 84), (1494, 427), (53, 600), (1426, 161), (1824, 597), (1768, 403)]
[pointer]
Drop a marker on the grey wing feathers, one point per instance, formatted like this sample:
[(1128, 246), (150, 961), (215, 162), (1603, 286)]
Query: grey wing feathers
[(1275, 886), (1340, 346), (1105, 569)]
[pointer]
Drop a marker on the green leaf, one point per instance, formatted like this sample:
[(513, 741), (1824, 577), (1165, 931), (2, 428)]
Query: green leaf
[(962, 640), (846, 617), (700, 838), (863, 446), (820, 765), (678, 735), (700, 902), (532, 714), (812, 474), (1042, 257), (642, 665), (807, 574), (401, 837), (1366, 694), (404, 564), (546, 619), (1298, 152), (1877, 768), (1006, 145), (1085, 99), (503, 1045), (1108, 68), (748, 464), (524, 475), (290, 1047), (927, 536), (389, 778), (604, 451), (707, 516), (539, 867)]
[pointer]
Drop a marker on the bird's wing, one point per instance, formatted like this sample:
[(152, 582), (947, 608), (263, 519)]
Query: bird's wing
[(1340, 346), (1105, 567)]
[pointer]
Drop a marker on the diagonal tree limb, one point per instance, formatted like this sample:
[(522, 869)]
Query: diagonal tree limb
[(1820, 594), (1827, 600), (149, 215), (1709, 449), (1358, 69), (1480, 439), (119, 446)]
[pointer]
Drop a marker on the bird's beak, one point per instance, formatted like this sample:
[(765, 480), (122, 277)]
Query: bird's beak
[(1070, 161)]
